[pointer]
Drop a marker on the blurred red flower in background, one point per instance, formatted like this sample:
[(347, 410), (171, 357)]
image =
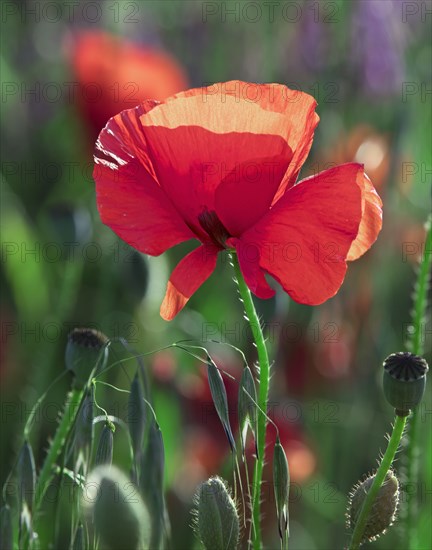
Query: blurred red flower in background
[(114, 74), (220, 164)]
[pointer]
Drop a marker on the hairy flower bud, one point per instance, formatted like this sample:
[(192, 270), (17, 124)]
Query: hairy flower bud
[(384, 508), (216, 516)]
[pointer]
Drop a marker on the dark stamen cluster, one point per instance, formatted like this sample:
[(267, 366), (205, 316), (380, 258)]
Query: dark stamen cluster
[(214, 228)]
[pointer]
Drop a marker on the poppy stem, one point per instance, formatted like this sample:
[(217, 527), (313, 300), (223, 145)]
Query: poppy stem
[(264, 382)]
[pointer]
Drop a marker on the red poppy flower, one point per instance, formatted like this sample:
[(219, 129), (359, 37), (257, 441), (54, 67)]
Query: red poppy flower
[(220, 165), (114, 74)]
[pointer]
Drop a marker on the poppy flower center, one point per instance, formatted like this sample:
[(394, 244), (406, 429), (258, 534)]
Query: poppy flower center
[(212, 225)]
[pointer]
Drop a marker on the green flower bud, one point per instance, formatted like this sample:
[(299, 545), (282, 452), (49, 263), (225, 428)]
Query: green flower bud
[(120, 516), (216, 516), (86, 353), (384, 508), (404, 381)]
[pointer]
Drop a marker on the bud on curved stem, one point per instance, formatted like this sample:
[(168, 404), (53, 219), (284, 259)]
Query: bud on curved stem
[(383, 511), (380, 476)]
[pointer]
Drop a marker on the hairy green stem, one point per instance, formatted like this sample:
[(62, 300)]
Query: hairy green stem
[(415, 345), (66, 423), (380, 476), (264, 382)]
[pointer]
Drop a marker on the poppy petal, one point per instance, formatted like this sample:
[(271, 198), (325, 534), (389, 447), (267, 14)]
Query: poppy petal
[(371, 221), (190, 162), (245, 195), (304, 240), (241, 107), (302, 143), (129, 199), (186, 278), (200, 136)]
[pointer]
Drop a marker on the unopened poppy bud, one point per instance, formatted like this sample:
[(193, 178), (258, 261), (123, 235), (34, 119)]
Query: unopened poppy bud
[(404, 381), (384, 508), (120, 516), (86, 352), (216, 516)]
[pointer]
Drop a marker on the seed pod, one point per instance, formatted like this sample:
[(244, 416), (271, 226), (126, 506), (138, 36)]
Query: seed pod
[(216, 520), (26, 476), (247, 408), (384, 508), (404, 381), (281, 482), (104, 451), (220, 400), (79, 542), (120, 516), (86, 354), (6, 528)]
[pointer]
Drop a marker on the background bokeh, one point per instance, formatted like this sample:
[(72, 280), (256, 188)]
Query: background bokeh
[(66, 68)]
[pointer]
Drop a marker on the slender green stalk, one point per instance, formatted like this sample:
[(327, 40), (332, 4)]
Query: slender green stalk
[(66, 423), (415, 345), (380, 476), (264, 382)]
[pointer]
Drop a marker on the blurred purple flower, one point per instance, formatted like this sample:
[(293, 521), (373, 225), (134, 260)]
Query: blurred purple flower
[(378, 46), (313, 41)]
